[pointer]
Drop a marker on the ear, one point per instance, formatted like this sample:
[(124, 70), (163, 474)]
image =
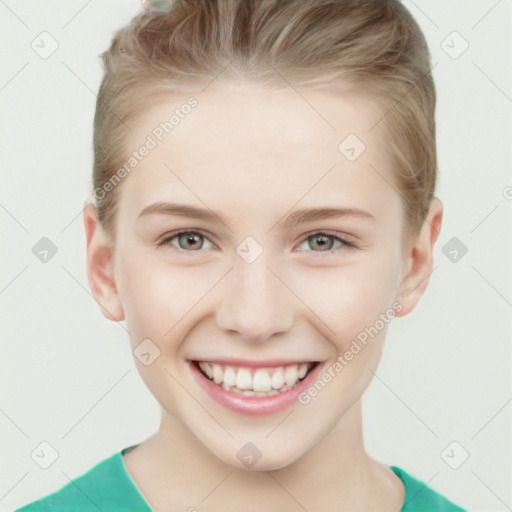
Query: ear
[(418, 259), (100, 265)]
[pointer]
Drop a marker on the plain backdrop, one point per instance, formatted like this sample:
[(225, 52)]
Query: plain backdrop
[(67, 374)]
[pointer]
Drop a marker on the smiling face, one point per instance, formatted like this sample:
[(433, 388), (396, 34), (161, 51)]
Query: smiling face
[(293, 251)]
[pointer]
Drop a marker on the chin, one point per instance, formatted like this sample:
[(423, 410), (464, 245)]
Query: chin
[(251, 458)]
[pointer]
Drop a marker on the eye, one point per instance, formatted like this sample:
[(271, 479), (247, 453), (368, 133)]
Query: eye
[(187, 240), (191, 241), (325, 242)]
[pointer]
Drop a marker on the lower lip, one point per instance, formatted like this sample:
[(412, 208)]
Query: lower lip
[(254, 405)]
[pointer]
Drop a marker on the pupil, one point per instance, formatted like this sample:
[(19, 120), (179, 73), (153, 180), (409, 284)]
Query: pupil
[(322, 242), (190, 238)]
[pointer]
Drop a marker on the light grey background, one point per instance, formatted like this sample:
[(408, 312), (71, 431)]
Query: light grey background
[(67, 373)]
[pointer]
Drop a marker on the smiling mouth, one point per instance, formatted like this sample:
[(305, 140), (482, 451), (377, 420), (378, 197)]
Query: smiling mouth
[(260, 381)]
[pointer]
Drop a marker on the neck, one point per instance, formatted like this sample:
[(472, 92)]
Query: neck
[(342, 475)]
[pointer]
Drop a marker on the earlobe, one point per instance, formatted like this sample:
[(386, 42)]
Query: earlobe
[(419, 259), (100, 266)]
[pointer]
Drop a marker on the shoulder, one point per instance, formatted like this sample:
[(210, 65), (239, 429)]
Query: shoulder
[(106, 486), (419, 497)]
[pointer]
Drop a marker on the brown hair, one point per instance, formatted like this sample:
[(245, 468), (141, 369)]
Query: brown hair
[(373, 44)]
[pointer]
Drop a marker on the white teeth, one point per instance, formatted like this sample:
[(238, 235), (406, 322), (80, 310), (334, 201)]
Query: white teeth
[(244, 379), (229, 376), (303, 369), (206, 367), (259, 382), (218, 374), (291, 375), (278, 379)]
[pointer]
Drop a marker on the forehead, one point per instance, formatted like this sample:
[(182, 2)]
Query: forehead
[(279, 146)]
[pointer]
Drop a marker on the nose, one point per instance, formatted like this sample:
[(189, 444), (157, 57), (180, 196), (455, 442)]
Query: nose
[(255, 303)]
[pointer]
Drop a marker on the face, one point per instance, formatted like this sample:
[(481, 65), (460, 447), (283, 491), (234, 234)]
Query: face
[(291, 257)]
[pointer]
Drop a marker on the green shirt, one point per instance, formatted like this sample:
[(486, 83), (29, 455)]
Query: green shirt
[(108, 487)]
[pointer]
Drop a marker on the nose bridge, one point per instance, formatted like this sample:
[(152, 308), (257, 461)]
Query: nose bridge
[(254, 302)]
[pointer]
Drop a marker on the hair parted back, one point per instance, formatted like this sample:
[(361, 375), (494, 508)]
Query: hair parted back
[(374, 45)]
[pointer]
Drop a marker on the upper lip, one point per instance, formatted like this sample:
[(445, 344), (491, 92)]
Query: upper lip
[(255, 364)]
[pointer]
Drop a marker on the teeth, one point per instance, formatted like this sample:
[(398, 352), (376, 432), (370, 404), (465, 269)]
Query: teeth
[(291, 375), (218, 374), (229, 377), (303, 369), (243, 379), (278, 379), (260, 382)]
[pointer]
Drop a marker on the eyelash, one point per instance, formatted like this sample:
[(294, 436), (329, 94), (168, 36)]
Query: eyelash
[(346, 244)]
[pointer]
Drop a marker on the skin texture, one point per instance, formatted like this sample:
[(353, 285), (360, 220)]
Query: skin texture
[(253, 156)]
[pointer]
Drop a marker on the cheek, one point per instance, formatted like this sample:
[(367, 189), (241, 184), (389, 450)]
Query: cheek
[(350, 299), (156, 295)]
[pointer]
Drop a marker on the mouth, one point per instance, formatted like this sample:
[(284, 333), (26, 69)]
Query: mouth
[(254, 388)]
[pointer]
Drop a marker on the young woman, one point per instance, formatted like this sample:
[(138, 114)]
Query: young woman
[(264, 184)]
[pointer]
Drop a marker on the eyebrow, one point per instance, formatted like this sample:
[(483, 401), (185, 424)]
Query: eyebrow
[(295, 218)]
